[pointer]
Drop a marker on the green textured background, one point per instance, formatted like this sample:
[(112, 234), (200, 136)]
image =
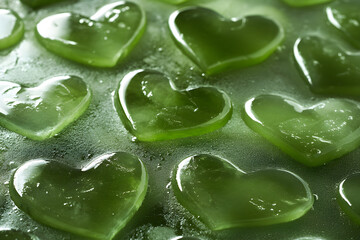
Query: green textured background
[(100, 130)]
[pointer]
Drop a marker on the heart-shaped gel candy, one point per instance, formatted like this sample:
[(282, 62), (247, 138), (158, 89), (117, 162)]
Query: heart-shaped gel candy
[(41, 112), (311, 134), (11, 234), (217, 44), (327, 68), (152, 109), (39, 3), (102, 40), (346, 18), (349, 197), (223, 196), (11, 28), (305, 3), (95, 201)]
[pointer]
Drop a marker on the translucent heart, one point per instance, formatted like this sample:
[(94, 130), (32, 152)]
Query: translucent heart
[(152, 109), (218, 44), (94, 201), (43, 111), (223, 196), (11, 28), (312, 134), (345, 17), (327, 68), (101, 40)]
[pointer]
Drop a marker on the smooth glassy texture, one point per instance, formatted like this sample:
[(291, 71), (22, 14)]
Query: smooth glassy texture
[(43, 111), (218, 44), (327, 68), (101, 40), (312, 134), (346, 18), (223, 196), (152, 109), (95, 201), (348, 197), (11, 28)]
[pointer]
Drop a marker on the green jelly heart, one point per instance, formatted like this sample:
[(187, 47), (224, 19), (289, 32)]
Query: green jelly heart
[(327, 68), (43, 111), (217, 44), (95, 201), (305, 3), (11, 28), (222, 196), (11, 234), (39, 3), (346, 18), (311, 134), (152, 109), (349, 197), (101, 40)]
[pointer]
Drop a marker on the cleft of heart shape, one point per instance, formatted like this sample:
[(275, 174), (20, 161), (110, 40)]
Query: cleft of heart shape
[(218, 44), (95, 201), (312, 134), (102, 40), (222, 196), (152, 109), (43, 111), (327, 68)]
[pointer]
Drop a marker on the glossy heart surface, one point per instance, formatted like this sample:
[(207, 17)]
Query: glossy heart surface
[(152, 109), (43, 111), (11, 28), (327, 68), (95, 201), (305, 3), (222, 196), (345, 17), (312, 134), (348, 197), (217, 44), (101, 40)]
